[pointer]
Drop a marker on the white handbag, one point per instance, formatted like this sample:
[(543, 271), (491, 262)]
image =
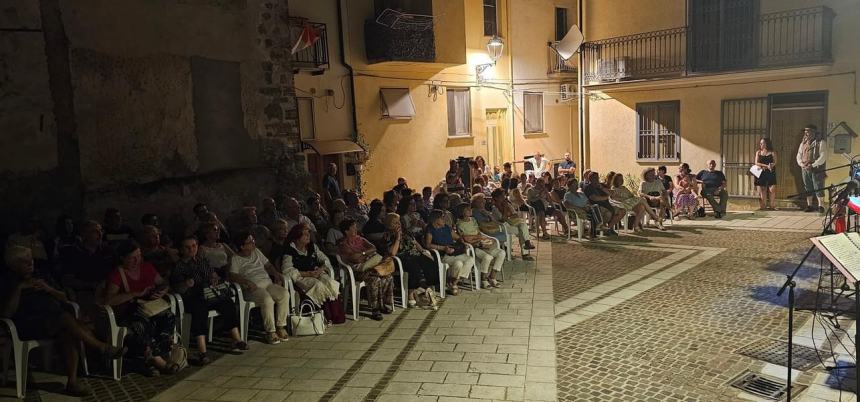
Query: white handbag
[(309, 321)]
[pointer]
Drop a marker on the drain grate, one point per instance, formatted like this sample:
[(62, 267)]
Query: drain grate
[(763, 386), (776, 352)]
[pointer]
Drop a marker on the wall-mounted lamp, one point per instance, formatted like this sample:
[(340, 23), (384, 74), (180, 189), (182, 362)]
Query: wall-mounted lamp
[(494, 50)]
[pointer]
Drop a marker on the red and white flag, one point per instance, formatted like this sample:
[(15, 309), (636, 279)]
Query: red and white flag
[(307, 38)]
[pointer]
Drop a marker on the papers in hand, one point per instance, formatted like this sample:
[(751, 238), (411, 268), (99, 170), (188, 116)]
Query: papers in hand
[(756, 170)]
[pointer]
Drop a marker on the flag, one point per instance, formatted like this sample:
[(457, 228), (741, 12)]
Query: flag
[(307, 38)]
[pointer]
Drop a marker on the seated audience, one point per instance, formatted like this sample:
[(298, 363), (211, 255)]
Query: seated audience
[(503, 211), (152, 220), (202, 215), (538, 198), (115, 230), (714, 183), (216, 253), (427, 197), (248, 222), (65, 238), (40, 311), (410, 220), (390, 199), (202, 289), (668, 184), (308, 267), (317, 214), (686, 201), (270, 215), (488, 225), (88, 263), (161, 257), (361, 254), (374, 228), (515, 195), (598, 195), (30, 236), (453, 182), (575, 200), (250, 268), (279, 242), (481, 164), (418, 264), (451, 247), (487, 253), (442, 202), (355, 210), (625, 199), (420, 208), (150, 337), (334, 234), (651, 188)]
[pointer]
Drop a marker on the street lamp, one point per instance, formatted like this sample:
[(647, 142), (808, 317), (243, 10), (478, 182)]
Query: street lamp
[(494, 50)]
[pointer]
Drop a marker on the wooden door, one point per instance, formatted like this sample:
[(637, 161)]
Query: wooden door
[(317, 167), (786, 132)]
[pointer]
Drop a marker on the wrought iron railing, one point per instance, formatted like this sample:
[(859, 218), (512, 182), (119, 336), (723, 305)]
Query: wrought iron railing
[(786, 38), (558, 64), (314, 57)]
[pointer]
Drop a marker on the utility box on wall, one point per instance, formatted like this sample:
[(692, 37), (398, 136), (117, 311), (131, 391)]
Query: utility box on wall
[(841, 137)]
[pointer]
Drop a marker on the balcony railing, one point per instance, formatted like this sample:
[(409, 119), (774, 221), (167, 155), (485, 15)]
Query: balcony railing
[(557, 64), (788, 38), (314, 58), (395, 36)]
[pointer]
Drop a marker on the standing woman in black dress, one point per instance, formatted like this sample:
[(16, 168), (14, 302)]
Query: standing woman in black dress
[(765, 158)]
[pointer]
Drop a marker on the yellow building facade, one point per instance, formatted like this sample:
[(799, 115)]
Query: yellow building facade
[(415, 111), (671, 81)]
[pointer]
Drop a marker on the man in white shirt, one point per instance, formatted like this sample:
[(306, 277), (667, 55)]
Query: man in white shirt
[(539, 164), (293, 216)]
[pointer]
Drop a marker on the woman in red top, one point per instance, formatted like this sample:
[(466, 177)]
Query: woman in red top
[(149, 338)]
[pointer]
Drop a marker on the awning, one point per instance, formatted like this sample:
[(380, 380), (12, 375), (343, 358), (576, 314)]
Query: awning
[(396, 103), (331, 147)]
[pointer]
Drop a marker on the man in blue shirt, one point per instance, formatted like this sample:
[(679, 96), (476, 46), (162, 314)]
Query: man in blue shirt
[(567, 166), (714, 183)]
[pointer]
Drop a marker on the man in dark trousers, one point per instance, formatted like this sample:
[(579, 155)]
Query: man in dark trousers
[(714, 183)]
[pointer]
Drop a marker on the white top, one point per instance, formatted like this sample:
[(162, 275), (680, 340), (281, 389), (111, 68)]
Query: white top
[(655, 186), (539, 168), (252, 268), (216, 257)]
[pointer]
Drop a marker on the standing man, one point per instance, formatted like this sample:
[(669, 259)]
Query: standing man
[(331, 188), (812, 157), (567, 167), (714, 183)]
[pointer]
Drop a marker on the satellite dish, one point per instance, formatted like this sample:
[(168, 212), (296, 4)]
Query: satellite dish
[(569, 45)]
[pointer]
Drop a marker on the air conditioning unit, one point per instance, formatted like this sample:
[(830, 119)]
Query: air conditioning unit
[(568, 92), (612, 69)]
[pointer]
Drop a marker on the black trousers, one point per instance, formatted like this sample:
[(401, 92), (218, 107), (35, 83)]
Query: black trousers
[(420, 268), (199, 310)]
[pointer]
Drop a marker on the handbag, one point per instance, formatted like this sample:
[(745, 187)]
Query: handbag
[(146, 308), (385, 268), (333, 310), (489, 227), (178, 356), (459, 248), (216, 294), (309, 321), (486, 244), (426, 298)]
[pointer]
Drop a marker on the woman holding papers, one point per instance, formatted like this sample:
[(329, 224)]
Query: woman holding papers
[(765, 158)]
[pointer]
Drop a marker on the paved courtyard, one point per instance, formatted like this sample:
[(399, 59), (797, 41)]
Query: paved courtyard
[(656, 317)]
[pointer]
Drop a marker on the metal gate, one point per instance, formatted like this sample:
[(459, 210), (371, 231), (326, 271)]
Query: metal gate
[(743, 123)]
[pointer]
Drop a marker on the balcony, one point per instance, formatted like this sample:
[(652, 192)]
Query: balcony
[(396, 36), (557, 65), (781, 39), (314, 59)]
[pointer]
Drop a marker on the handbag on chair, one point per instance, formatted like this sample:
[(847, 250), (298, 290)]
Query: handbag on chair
[(309, 321)]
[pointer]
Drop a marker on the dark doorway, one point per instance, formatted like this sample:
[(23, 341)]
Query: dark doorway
[(789, 113)]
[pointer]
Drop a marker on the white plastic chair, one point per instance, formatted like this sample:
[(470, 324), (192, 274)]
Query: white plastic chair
[(443, 272), (245, 307), (403, 288), (475, 275), (348, 277), (20, 351), (116, 338)]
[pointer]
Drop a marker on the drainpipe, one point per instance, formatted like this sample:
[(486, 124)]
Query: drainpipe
[(513, 96), (344, 44), (580, 93)]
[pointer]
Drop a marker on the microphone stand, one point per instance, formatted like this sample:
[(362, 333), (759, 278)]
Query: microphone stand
[(790, 284)]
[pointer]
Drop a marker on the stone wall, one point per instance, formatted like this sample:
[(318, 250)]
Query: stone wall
[(162, 104)]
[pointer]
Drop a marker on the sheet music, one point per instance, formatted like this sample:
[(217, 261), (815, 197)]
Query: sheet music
[(845, 249)]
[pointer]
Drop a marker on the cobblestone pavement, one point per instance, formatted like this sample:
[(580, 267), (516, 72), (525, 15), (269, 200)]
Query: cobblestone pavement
[(654, 317)]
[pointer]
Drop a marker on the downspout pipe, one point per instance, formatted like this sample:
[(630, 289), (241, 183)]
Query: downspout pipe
[(580, 93), (344, 43)]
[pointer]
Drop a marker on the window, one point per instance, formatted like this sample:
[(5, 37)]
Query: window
[(491, 18), (396, 103), (658, 131), (560, 23), (533, 112), (306, 118), (459, 112)]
